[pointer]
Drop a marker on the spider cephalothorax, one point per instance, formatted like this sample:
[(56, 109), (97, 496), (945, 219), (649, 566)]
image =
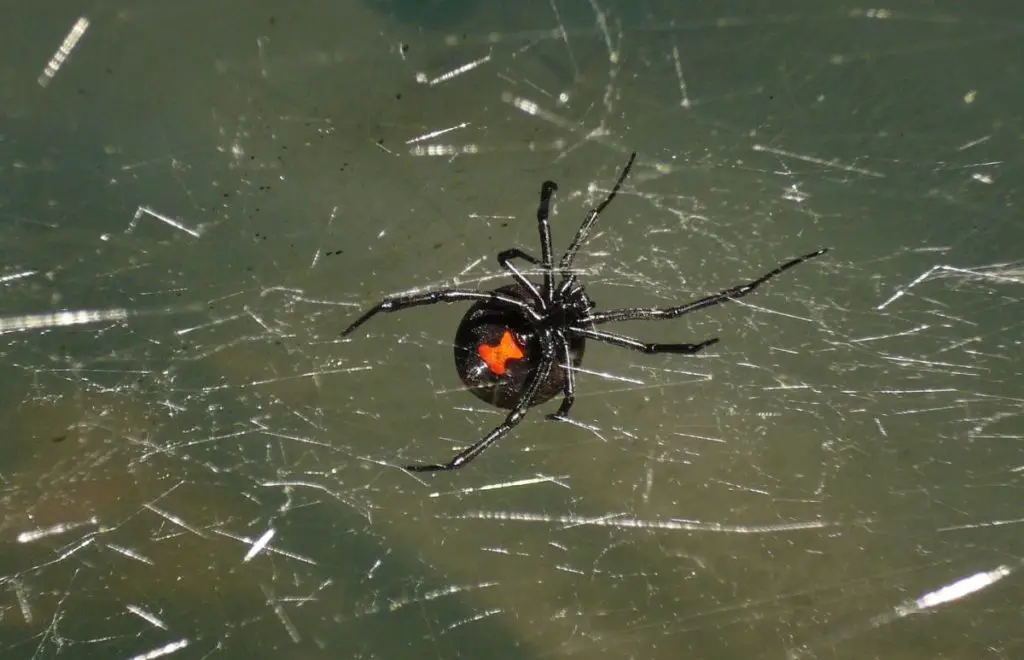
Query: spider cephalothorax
[(519, 345)]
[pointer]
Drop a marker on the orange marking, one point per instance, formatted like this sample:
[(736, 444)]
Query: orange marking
[(495, 357)]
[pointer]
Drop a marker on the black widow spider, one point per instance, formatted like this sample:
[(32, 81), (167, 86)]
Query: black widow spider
[(529, 338)]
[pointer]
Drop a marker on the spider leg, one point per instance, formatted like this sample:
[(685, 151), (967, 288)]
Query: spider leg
[(505, 258), (547, 189), (515, 253), (623, 341), (569, 390), (588, 223), (733, 293), (398, 303), (514, 417)]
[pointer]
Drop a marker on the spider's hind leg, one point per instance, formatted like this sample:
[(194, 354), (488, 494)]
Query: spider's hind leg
[(398, 303), (514, 416), (623, 341), (569, 389), (466, 455)]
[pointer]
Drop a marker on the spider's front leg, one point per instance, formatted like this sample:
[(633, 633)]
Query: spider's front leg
[(515, 253), (732, 293), (505, 258), (547, 189)]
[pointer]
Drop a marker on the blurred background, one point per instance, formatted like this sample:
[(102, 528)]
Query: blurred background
[(196, 198)]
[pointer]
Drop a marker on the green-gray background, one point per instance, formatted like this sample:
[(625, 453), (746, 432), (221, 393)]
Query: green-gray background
[(194, 464)]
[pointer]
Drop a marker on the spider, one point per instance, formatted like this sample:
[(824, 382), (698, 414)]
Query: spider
[(519, 345)]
